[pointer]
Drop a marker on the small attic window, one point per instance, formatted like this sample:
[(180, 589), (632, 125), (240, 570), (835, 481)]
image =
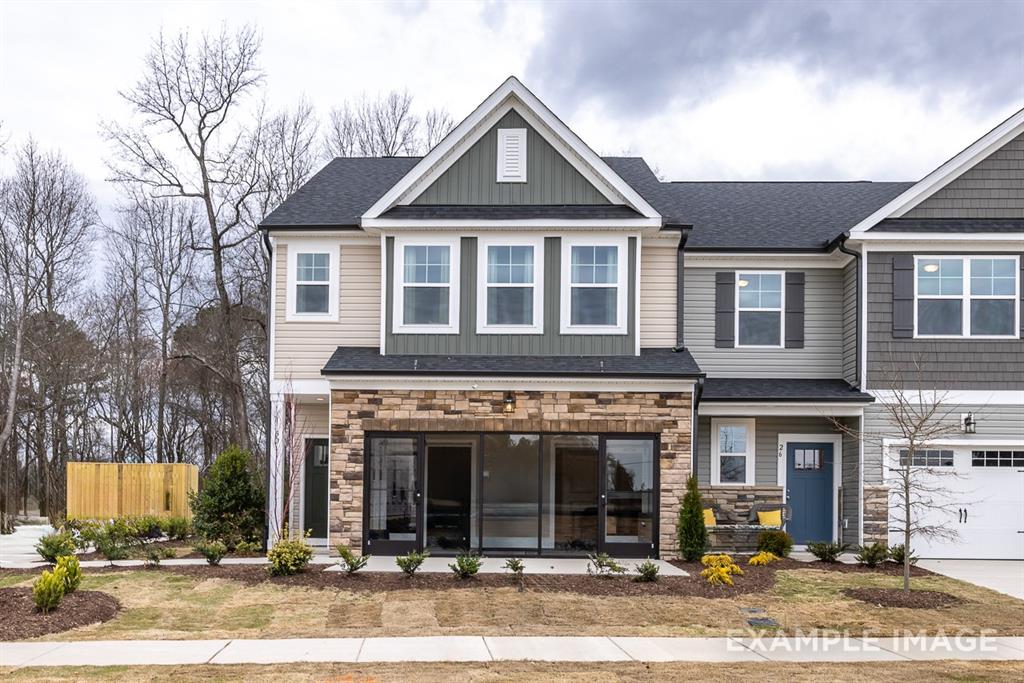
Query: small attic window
[(511, 155)]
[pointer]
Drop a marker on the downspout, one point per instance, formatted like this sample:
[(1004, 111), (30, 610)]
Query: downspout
[(270, 410), (841, 245)]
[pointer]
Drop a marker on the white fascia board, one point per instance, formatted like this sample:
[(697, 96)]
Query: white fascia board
[(299, 387), (742, 409), (962, 397), (944, 174), (969, 241), (737, 260), (968, 443), (463, 224), (493, 383), (442, 156)]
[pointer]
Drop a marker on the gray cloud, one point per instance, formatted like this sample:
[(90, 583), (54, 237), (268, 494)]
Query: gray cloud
[(637, 55)]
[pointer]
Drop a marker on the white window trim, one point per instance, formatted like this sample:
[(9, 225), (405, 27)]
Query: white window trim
[(333, 251), (622, 299), (503, 134), (965, 297), (781, 309), (483, 242), (750, 455), (398, 284)]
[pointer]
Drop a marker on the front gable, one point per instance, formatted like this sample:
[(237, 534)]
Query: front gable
[(560, 169), (473, 178)]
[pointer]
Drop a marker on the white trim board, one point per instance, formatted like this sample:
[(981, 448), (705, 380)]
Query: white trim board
[(474, 126), (460, 225), (621, 243), (398, 284), (332, 248), (944, 174), (495, 383), (749, 454), (837, 469), (299, 387), (740, 409), (976, 397), (765, 261), (536, 326)]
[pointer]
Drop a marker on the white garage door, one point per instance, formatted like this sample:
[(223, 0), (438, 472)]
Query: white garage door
[(986, 510)]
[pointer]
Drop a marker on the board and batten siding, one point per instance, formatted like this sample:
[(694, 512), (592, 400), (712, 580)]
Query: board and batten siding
[(993, 422), (302, 348), (657, 296), (966, 364), (993, 188), (821, 356), (473, 179), (550, 343), (766, 444)]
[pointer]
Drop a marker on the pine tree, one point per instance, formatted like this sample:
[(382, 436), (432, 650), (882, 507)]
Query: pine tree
[(693, 535)]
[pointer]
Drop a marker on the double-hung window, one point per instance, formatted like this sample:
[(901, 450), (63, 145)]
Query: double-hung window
[(966, 296), (312, 282), (732, 452), (510, 277), (426, 285), (594, 285), (759, 308)]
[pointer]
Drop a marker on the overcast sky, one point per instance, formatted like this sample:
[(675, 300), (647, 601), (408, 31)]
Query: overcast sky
[(703, 90)]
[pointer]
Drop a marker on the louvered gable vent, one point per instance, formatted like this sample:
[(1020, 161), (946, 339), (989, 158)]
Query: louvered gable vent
[(511, 155)]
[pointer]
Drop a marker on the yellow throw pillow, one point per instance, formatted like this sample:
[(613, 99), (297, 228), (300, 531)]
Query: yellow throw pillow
[(709, 517), (770, 518)]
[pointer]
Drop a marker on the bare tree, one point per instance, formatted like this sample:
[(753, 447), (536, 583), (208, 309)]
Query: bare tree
[(915, 419), (189, 142), (384, 126)]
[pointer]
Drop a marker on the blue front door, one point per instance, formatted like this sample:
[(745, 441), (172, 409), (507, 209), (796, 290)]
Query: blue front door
[(809, 491)]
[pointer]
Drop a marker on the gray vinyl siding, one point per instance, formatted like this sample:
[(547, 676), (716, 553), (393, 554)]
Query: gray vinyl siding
[(472, 180), (931, 363), (550, 343), (849, 520), (766, 444), (850, 323), (821, 356), (993, 422), (993, 188)]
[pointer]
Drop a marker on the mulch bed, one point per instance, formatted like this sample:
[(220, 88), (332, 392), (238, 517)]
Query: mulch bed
[(884, 568), (896, 597), (21, 619), (174, 545), (755, 579)]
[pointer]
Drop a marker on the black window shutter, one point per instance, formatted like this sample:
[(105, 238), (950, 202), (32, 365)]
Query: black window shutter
[(794, 310), (903, 296), (725, 310)]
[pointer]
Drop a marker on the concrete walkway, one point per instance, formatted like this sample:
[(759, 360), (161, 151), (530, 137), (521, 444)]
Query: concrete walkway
[(1005, 576), (508, 648), (20, 547)]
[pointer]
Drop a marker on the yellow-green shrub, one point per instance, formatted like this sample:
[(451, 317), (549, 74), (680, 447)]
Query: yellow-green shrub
[(720, 569), (289, 556), (763, 559), (72, 572), (48, 590)]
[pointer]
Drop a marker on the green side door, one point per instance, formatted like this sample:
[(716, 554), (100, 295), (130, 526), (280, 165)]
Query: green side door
[(315, 494)]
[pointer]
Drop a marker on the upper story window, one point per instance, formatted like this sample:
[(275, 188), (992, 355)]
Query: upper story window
[(594, 284), (759, 308), (313, 282), (426, 285), (732, 443), (966, 296), (510, 277), (511, 155)]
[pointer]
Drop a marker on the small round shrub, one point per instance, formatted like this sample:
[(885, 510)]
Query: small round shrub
[(897, 554), (411, 561), (213, 551), (176, 528), (763, 559), (827, 551), (776, 542), (289, 556), (465, 565), (48, 590), (647, 572), (719, 569), (72, 572), (872, 555), (53, 546), (349, 562)]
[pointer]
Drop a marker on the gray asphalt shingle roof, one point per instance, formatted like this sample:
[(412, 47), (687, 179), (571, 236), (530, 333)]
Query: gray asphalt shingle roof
[(660, 363), (724, 215), (759, 389)]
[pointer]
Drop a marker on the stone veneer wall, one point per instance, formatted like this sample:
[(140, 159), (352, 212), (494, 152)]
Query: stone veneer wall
[(876, 514), (355, 412), (734, 502)]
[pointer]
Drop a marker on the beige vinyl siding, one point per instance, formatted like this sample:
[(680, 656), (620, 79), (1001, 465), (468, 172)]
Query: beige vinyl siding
[(657, 296), (311, 420), (301, 348), (821, 357)]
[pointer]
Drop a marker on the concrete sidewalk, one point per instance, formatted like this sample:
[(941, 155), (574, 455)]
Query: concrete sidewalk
[(508, 648)]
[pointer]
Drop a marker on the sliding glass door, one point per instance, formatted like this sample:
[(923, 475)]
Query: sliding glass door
[(392, 495), (630, 525)]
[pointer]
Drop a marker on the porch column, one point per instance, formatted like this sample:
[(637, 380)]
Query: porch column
[(275, 469)]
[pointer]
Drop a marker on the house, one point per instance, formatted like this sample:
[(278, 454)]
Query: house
[(515, 346)]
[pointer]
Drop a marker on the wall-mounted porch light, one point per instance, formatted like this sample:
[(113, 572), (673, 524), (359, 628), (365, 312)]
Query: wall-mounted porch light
[(509, 404), (967, 423)]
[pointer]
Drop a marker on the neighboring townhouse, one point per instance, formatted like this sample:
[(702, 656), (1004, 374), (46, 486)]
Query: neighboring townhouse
[(512, 345), (942, 265)]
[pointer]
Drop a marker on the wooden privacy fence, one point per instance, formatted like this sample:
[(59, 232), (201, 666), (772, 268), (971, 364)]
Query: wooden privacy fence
[(99, 490)]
